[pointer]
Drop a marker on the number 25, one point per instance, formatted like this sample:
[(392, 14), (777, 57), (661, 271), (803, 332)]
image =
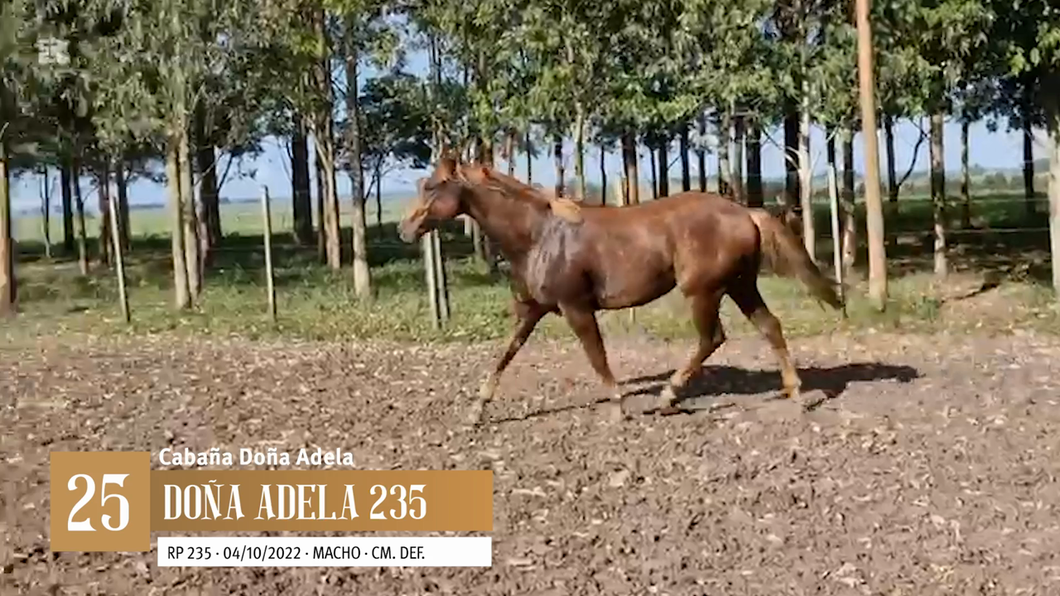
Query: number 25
[(123, 503)]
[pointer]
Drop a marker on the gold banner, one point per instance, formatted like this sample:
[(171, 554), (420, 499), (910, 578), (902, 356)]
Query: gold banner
[(112, 501), (321, 500)]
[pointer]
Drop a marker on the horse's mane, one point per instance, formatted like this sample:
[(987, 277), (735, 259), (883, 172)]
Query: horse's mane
[(512, 187)]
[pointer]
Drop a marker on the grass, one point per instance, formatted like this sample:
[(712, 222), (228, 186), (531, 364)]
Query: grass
[(317, 303)]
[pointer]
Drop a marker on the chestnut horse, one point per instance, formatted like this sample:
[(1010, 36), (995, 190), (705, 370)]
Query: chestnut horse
[(573, 260)]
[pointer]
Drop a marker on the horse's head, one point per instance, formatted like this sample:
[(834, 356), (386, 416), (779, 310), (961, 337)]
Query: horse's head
[(438, 199)]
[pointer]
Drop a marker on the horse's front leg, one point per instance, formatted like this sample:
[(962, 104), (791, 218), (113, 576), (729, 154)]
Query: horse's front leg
[(582, 321), (528, 313)]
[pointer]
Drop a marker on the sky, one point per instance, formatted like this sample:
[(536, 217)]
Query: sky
[(1001, 149)]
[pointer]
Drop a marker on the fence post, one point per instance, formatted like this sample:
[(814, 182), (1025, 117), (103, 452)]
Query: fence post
[(119, 261), (837, 252), (266, 215)]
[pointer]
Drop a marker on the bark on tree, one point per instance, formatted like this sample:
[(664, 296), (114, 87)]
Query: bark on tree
[(7, 245), (67, 190), (629, 160), (324, 141), (192, 252), (322, 228), (809, 233), (557, 156), (103, 204), (362, 284), (181, 296), (529, 159), (301, 195), (724, 140), (739, 131), (79, 206), (966, 178), (664, 167), (755, 196), (1028, 167), (123, 205), (892, 171), (848, 207), (792, 192), (701, 153), (1052, 111), (46, 212), (603, 175), (938, 194), (654, 175), (209, 194), (686, 175), (579, 148), (509, 148)]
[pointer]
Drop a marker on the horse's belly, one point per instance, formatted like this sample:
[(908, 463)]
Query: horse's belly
[(633, 286)]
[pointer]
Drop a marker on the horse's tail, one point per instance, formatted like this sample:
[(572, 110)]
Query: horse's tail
[(787, 256)]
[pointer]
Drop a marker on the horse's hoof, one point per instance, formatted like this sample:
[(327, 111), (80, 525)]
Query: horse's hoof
[(487, 389), (668, 397), (476, 414)]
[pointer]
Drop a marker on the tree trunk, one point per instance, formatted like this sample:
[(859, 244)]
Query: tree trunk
[(7, 245), (557, 156), (324, 140), (739, 127), (892, 173), (1028, 167), (79, 206), (1054, 191), (362, 284), (848, 207), (301, 196), (529, 159), (379, 195), (792, 192), (724, 126), (966, 178), (123, 206), (809, 233), (629, 160), (701, 153), (654, 175), (686, 175), (192, 252), (938, 194), (603, 175), (755, 196), (579, 148), (46, 213), (182, 296), (66, 181), (664, 167), (103, 203), (509, 147), (322, 228), (209, 194)]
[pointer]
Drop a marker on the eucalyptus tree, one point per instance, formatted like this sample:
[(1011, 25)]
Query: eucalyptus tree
[(1026, 40)]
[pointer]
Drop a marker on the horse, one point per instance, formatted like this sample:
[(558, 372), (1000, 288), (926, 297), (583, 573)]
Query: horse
[(574, 260)]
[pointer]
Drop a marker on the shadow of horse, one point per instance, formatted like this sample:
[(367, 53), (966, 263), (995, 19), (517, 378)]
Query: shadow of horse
[(715, 380)]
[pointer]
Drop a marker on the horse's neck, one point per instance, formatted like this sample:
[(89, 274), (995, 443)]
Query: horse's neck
[(507, 221)]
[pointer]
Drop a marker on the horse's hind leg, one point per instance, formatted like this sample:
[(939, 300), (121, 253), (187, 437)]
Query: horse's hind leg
[(706, 315), (746, 295)]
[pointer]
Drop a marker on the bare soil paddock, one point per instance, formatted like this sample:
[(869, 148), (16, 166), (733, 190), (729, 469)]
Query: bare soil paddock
[(930, 469)]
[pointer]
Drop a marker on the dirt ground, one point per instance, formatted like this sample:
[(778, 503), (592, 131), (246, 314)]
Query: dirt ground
[(930, 469)]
